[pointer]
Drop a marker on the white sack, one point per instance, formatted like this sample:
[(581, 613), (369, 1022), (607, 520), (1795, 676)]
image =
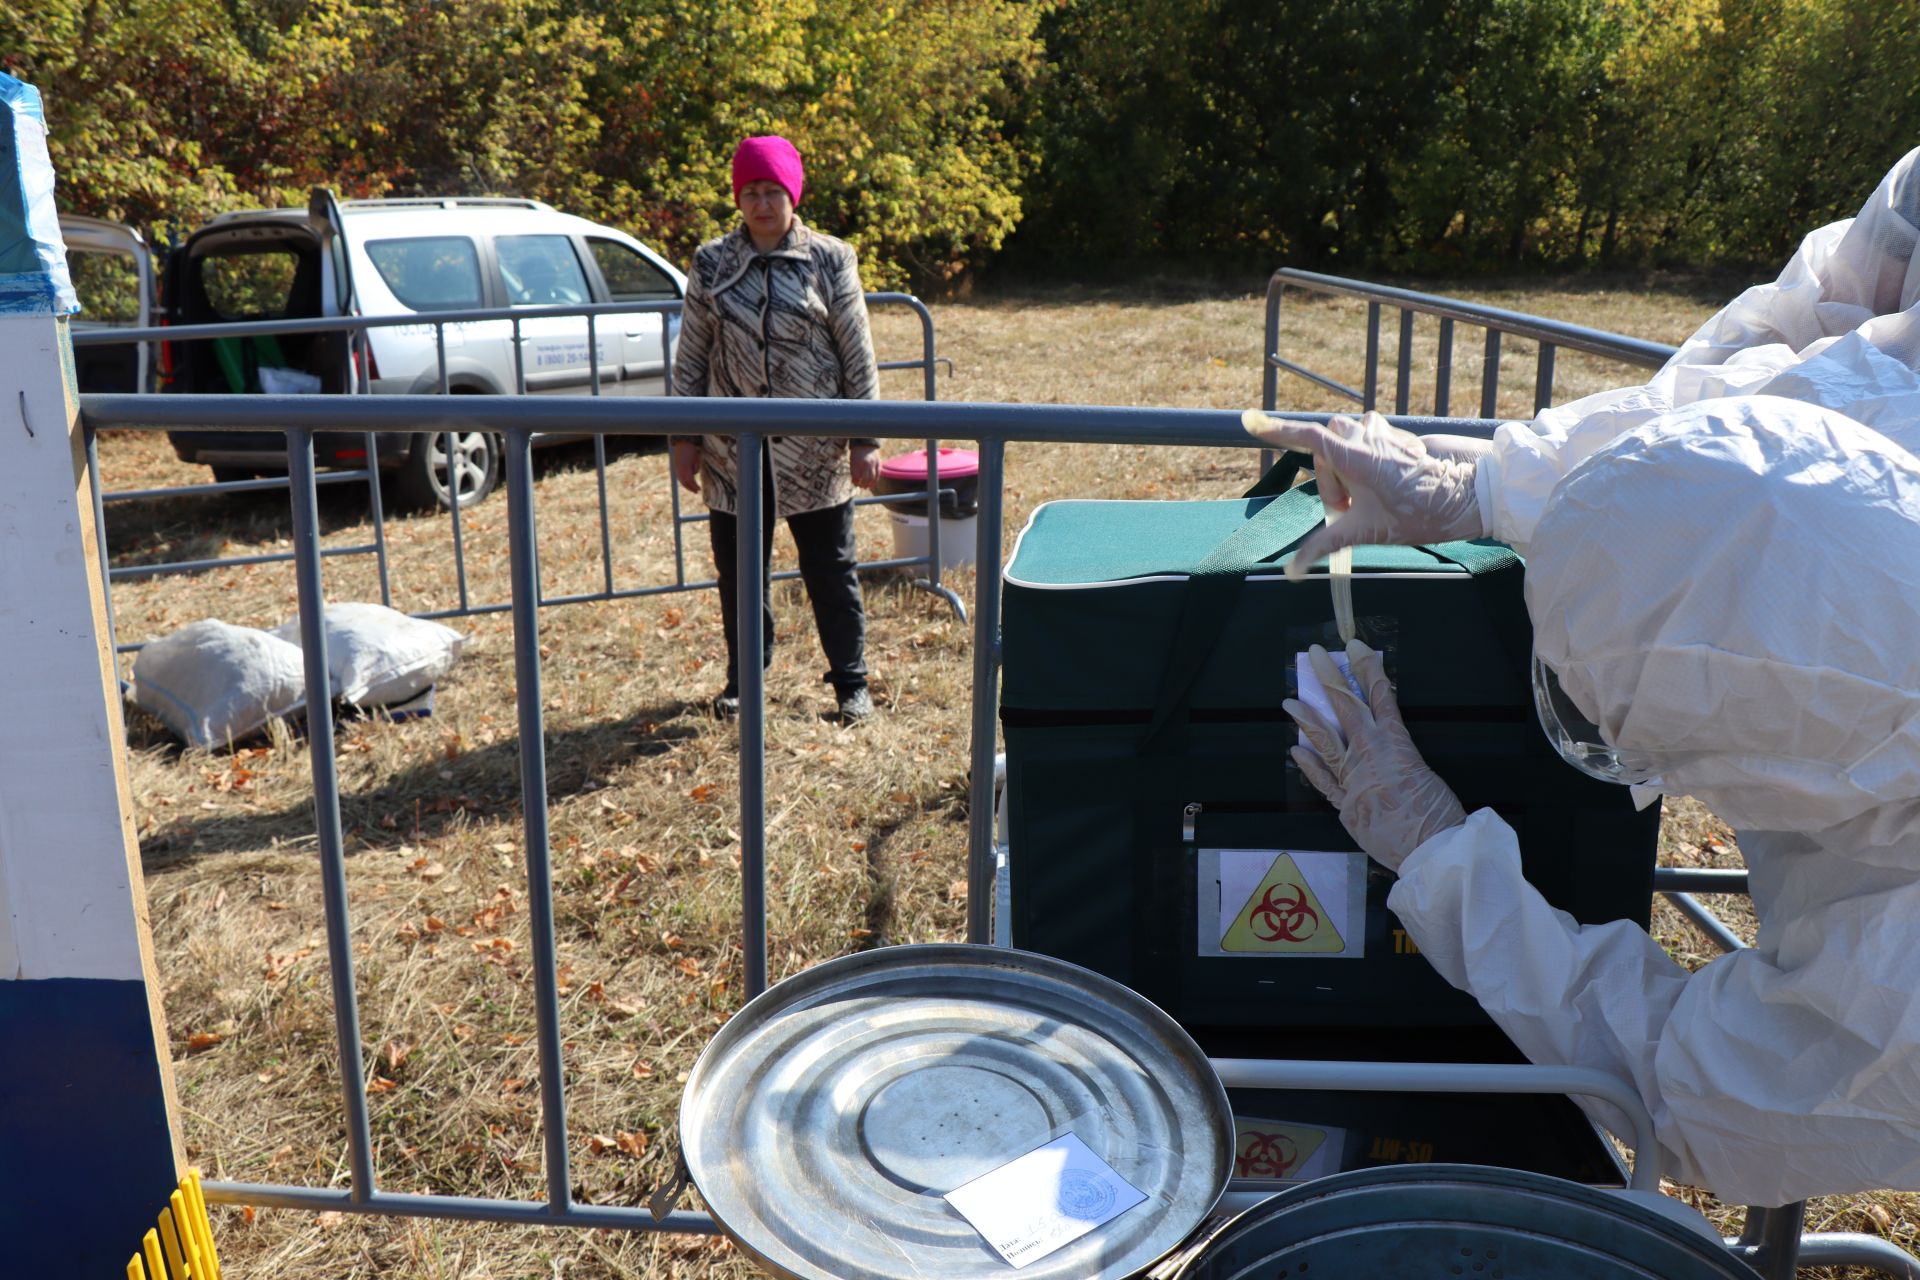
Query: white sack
[(213, 683), (377, 656), (275, 381)]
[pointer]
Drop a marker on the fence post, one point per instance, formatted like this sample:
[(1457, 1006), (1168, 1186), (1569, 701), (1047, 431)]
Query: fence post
[(86, 1105)]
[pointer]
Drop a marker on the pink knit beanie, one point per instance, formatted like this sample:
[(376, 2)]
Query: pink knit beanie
[(772, 158)]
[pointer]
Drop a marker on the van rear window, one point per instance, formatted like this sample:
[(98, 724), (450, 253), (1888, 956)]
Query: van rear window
[(108, 285), (429, 273), (250, 285)]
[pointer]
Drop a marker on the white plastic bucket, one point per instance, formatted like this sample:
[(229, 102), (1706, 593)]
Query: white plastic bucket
[(956, 538)]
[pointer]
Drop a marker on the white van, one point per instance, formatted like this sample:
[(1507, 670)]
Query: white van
[(408, 257)]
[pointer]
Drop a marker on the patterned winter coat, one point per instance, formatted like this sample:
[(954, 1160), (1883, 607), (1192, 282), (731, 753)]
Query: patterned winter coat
[(789, 323)]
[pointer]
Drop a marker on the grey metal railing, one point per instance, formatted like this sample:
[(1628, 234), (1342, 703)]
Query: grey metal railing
[(1771, 1239), (356, 376), (300, 417), (1550, 334)]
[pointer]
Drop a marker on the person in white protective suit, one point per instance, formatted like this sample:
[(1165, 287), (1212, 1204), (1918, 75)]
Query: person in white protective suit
[(1725, 589)]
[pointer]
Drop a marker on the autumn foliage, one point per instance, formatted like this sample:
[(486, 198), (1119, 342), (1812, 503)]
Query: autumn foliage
[(1397, 134)]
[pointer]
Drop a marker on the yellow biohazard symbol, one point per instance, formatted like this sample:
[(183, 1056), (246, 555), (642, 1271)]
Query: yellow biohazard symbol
[(1270, 1149), (1283, 915)]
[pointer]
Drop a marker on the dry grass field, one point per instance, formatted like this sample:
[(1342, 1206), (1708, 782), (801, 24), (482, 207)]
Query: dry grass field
[(866, 826)]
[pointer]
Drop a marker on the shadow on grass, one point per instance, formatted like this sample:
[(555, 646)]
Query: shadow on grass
[(433, 797)]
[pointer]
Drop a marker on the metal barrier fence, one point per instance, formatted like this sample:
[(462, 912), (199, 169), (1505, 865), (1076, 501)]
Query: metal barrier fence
[(1550, 334), (1771, 1239), (300, 417), (356, 375)]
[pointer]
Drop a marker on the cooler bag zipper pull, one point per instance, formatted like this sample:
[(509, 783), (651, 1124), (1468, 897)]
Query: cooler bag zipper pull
[(1188, 817)]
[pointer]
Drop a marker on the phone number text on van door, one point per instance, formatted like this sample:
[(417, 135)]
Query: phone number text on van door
[(548, 356)]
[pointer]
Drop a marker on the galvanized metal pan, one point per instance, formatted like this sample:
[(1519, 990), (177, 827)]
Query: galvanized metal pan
[(1460, 1220), (828, 1118)]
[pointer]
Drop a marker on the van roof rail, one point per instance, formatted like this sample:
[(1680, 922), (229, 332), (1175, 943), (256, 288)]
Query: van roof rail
[(446, 202)]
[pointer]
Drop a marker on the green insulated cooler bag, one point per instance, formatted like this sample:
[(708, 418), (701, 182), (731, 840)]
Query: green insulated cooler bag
[(1158, 831)]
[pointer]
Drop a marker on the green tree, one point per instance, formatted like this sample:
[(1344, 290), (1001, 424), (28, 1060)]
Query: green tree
[(897, 110)]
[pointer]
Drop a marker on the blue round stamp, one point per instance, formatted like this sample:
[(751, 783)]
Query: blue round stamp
[(1084, 1196)]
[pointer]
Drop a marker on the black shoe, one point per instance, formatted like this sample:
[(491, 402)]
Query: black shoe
[(727, 705), (855, 705)]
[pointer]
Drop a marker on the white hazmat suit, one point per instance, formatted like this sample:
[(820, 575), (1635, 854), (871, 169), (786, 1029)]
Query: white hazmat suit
[(1737, 586), (1724, 573)]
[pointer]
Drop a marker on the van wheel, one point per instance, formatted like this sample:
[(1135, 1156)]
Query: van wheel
[(475, 470)]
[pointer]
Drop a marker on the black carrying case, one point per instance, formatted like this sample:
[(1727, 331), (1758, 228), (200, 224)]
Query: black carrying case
[(1147, 648)]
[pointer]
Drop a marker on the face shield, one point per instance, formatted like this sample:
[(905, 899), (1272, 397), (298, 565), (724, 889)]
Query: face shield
[(1579, 740)]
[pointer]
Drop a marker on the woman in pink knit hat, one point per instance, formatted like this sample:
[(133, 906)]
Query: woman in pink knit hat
[(775, 308)]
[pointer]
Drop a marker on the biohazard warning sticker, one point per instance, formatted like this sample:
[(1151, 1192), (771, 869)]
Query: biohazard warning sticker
[(1281, 1151), (1281, 902)]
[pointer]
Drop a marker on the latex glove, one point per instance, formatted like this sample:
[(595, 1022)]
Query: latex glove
[(1384, 485), (1457, 448), (686, 463), (1390, 802)]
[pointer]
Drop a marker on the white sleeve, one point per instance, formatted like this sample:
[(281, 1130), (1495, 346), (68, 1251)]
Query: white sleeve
[(1766, 1085), (1512, 480)]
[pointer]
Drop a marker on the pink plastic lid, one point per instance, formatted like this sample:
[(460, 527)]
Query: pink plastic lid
[(953, 464)]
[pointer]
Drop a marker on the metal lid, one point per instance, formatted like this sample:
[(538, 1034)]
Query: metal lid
[(949, 464), (1460, 1220), (828, 1118)]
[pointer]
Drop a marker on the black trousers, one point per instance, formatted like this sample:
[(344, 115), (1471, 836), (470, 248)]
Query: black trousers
[(827, 559)]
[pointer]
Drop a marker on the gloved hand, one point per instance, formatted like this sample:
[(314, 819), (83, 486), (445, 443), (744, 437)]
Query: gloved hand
[(1390, 802), (1385, 485)]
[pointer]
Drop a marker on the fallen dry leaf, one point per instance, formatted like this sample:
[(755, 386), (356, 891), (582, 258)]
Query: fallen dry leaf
[(203, 1040), (380, 1084)]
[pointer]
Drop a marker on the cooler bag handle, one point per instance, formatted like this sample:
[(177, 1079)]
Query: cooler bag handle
[(1280, 476), (1214, 586)]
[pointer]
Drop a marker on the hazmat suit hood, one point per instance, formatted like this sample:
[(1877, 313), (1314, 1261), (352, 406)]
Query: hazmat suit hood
[(1734, 589)]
